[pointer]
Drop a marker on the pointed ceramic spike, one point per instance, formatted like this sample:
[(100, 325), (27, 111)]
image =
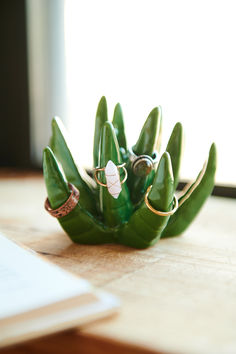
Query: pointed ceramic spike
[(162, 192), (146, 144), (148, 137), (115, 211), (200, 190), (174, 147), (101, 118), (80, 225), (113, 179), (118, 124), (59, 145), (73, 174), (109, 147), (145, 227), (57, 188), (159, 136)]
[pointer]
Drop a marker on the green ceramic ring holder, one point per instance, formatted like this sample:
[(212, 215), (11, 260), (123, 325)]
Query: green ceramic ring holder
[(97, 217)]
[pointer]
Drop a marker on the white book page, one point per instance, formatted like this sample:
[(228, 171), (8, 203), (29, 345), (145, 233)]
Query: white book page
[(27, 282)]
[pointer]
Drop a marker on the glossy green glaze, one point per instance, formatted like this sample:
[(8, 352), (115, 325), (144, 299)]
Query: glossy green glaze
[(145, 145), (148, 137), (62, 152), (101, 118), (80, 225), (199, 191), (115, 211), (144, 227), (98, 217), (118, 124), (174, 147)]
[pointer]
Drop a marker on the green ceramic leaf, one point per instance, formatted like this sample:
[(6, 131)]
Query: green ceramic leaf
[(174, 148), (115, 211), (118, 124), (196, 197), (62, 152), (101, 118)]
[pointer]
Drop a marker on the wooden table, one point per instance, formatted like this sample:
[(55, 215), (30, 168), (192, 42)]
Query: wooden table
[(178, 296)]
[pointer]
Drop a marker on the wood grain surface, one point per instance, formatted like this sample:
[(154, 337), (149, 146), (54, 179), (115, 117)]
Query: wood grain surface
[(177, 297)]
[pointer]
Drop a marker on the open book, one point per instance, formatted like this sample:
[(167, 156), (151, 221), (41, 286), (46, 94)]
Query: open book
[(38, 298)]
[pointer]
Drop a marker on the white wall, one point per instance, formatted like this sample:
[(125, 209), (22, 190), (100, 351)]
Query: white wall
[(177, 54)]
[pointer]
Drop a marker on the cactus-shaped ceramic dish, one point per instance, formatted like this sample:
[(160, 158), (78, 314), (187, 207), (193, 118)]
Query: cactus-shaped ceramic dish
[(130, 198)]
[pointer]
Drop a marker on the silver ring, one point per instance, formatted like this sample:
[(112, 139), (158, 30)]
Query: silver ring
[(142, 165)]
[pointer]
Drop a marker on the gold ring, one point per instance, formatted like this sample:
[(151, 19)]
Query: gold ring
[(65, 208), (157, 212), (97, 169)]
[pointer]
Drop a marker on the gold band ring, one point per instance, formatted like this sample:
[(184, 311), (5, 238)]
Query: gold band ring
[(65, 208), (98, 169), (157, 212)]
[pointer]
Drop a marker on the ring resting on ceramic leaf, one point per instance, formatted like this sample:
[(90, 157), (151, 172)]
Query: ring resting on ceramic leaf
[(65, 208), (112, 174), (98, 169), (157, 212), (142, 165)]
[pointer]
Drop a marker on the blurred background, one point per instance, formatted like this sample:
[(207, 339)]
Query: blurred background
[(58, 57)]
